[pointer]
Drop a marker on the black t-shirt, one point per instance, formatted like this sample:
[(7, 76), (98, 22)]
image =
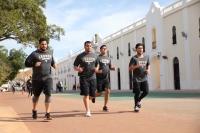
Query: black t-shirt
[(104, 65), (139, 74), (88, 61), (44, 70)]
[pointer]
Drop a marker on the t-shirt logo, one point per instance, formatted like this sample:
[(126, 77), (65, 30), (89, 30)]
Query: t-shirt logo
[(45, 57), (142, 63), (88, 59), (104, 61)]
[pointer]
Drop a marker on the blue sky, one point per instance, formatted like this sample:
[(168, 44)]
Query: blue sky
[(81, 19)]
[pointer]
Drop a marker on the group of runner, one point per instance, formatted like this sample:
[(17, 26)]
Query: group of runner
[(93, 71)]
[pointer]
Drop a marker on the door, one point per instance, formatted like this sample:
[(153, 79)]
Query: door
[(176, 74)]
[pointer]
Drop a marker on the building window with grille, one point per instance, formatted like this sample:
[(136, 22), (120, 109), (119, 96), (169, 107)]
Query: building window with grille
[(174, 35), (117, 53), (143, 42), (129, 49)]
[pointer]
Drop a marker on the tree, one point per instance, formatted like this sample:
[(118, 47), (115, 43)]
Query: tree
[(4, 64), (16, 60), (25, 22)]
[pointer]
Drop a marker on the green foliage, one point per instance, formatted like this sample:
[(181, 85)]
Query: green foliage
[(10, 64), (25, 22)]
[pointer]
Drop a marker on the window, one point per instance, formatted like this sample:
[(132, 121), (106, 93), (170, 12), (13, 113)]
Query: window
[(143, 42), (117, 53), (173, 35), (199, 27), (107, 53), (129, 49), (153, 38)]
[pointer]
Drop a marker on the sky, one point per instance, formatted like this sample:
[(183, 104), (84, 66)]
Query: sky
[(81, 19)]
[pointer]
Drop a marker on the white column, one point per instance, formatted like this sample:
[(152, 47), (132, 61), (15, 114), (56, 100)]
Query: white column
[(112, 61), (122, 72), (187, 50)]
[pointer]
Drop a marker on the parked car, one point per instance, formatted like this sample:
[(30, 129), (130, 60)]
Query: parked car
[(4, 87)]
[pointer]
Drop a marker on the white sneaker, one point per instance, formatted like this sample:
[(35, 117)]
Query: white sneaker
[(88, 113), (136, 109)]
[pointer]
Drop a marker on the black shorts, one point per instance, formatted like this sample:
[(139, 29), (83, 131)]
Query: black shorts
[(140, 86), (45, 86), (87, 86), (102, 83)]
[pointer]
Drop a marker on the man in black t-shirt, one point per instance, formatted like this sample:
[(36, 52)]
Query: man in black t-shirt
[(41, 61), (141, 67), (103, 83), (86, 63)]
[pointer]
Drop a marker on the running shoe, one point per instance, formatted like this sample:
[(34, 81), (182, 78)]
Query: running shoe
[(34, 114), (105, 108), (139, 105), (93, 100), (136, 109), (47, 117), (88, 114)]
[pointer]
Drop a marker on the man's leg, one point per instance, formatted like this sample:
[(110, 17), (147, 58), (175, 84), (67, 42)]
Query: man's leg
[(107, 95), (86, 102), (98, 94), (145, 89), (136, 91), (34, 110)]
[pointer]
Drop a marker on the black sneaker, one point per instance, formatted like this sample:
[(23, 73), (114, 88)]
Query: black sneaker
[(34, 114), (105, 108), (47, 117), (139, 105), (93, 100)]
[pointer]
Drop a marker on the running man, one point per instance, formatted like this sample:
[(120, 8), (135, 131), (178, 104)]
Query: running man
[(41, 61), (103, 84), (29, 87), (86, 63), (141, 67)]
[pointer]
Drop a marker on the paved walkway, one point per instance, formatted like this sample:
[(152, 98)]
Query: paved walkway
[(161, 112)]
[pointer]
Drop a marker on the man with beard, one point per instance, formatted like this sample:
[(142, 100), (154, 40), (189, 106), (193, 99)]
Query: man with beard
[(41, 61), (103, 83), (86, 63), (141, 67)]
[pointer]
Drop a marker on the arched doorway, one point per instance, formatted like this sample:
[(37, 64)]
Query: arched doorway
[(119, 79), (176, 74), (155, 73), (130, 79)]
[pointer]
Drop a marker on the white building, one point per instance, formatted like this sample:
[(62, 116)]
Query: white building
[(172, 41)]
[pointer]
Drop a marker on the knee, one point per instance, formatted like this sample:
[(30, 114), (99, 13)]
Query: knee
[(47, 99), (108, 91), (35, 99)]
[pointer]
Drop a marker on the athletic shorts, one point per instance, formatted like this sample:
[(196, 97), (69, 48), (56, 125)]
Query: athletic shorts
[(45, 86), (87, 86), (140, 86), (102, 83)]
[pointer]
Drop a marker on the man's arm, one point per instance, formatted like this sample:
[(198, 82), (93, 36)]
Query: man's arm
[(78, 69), (148, 69)]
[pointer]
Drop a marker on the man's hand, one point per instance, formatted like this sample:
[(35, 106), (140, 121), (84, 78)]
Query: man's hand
[(147, 71), (37, 64), (54, 66), (113, 68), (80, 69), (100, 71)]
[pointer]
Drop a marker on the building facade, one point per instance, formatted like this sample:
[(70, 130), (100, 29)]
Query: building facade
[(172, 40)]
